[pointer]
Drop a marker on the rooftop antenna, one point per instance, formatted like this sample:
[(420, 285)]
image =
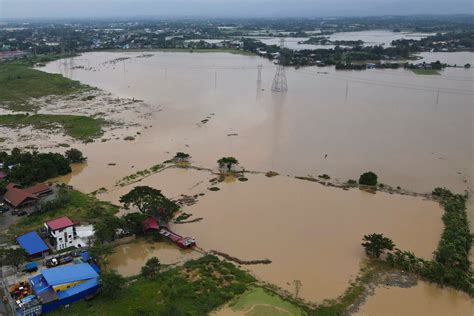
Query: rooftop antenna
[(279, 82)]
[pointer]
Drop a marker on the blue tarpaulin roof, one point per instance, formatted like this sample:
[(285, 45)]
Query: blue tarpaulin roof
[(68, 274), (32, 243)]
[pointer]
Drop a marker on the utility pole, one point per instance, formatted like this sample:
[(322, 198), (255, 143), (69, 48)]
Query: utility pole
[(259, 76), (279, 82)]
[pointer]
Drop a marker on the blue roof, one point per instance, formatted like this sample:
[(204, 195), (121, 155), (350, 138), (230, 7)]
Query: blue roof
[(67, 274), (78, 288), (32, 243)]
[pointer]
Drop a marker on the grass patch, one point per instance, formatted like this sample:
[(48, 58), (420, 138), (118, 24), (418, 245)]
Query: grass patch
[(257, 301), (78, 207), (79, 127), (19, 84), (197, 288), (425, 71), (140, 175)]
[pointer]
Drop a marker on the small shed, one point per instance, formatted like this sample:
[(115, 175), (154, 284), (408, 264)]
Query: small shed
[(33, 244), (150, 224)]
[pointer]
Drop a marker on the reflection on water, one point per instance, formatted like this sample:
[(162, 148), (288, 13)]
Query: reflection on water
[(76, 169), (130, 258), (424, 299)]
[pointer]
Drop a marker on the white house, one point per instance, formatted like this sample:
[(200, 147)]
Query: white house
[(62, 233)]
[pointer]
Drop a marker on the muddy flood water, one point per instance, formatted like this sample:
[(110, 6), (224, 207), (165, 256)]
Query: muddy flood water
[(413, 131)]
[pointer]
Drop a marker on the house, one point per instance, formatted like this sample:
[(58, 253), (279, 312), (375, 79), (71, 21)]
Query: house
[(33, 244), (150, 224), (20, 198), (61, 232), (64, 285)]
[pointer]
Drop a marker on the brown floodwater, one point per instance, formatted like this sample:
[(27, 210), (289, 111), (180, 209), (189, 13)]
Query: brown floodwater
[(310, 232), (424, 299), (392, 122), (128, 259)]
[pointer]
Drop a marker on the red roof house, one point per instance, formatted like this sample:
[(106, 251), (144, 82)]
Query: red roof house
[(39, 189), (59, 223), (150, 224), (17, 197)]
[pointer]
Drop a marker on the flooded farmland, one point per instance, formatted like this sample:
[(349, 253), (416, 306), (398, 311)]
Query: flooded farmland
[(413, 131), (424, 299)]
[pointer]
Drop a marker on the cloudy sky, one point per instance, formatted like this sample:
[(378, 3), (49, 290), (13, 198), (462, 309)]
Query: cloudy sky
[(227, 8)]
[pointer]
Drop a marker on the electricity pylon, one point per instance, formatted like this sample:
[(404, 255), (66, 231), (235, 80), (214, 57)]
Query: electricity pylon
[(279, 82)]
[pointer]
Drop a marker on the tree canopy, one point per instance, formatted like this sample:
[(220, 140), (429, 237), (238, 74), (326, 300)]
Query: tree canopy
[(75, 155), (368, 178), (152, 268), (150, 201), (111, 283), (227, 162), (376, 244)]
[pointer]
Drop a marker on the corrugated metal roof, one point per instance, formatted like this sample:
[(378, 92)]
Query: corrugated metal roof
[(78, 288), (59, 223), (68, 274), (32, 243)]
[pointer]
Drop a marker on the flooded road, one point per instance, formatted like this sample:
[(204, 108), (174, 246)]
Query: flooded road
[(392, 122), (424, 299), (129, 259)]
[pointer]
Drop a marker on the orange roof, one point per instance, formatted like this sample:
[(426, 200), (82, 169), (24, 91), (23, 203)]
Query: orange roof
[(37, 188), (16, 196)]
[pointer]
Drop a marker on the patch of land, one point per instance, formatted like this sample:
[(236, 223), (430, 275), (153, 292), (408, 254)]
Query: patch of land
[(196, 288), (19, 84), (208, 50), (426, 71), (77, 126)]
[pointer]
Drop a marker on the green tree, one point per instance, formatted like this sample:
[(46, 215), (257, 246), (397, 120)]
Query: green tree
[(180, 156), (368, 178), (106, 229), (376, 244), (133, 222), (150, 201), (3, 186), (101, 252), (227, 162), (111, 283), (75, 155), (152, 268)]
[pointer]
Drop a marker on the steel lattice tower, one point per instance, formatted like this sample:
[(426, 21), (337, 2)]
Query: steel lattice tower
[(279, 82)]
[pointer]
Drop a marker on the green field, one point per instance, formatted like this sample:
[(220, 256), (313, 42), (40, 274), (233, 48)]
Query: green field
[(19, 84), (79, 127), (77, 206), (197, 288), (426, 71), (257, 301)]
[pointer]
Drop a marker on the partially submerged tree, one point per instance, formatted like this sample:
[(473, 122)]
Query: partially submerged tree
[(181, 157), (150, 201), (376, 244), (227, 162), (152, 268), (75, 155), (368, 178)]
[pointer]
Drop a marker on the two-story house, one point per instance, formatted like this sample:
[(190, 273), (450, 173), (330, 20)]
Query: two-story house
[(62, 233)]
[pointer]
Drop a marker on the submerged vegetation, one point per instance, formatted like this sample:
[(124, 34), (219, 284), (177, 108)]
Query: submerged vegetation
[(451, 265), (76, 126)]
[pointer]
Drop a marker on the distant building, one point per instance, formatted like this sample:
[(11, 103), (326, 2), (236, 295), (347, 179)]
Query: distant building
[(33, 244), (61, 232)]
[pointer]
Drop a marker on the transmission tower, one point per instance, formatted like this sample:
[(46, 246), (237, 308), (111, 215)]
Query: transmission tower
[(279, 82), (259, 76)]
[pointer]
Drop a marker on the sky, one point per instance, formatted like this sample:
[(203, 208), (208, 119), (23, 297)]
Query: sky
[(226, 8)]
